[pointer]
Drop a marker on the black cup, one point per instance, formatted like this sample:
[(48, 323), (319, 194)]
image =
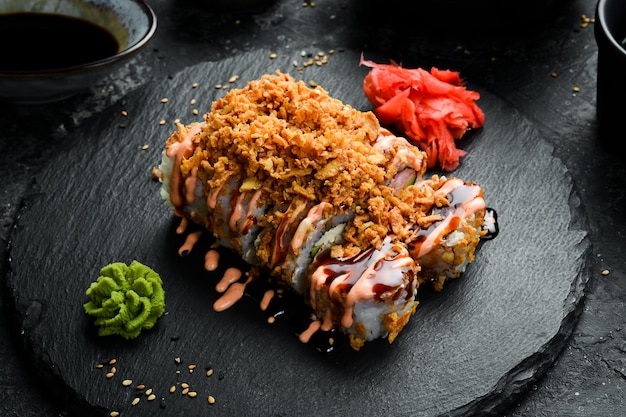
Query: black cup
[(610, 33)]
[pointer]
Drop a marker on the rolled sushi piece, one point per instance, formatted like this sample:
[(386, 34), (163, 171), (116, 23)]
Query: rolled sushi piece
[(446, 240), (322, 198), (308, 238), (182, 191), (369, 295)]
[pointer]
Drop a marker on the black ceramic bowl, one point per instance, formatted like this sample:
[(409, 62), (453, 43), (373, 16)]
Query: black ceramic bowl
[(610, 34), (127, 25)]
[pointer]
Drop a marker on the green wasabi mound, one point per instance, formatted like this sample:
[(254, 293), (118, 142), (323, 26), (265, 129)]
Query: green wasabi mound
[(125, 299)]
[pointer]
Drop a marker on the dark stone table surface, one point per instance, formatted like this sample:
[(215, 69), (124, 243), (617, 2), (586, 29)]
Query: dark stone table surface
[(543, 63)]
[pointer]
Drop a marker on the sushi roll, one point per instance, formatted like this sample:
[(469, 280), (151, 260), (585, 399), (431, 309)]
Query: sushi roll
[(322, 198), (369, 295), (446, 239)]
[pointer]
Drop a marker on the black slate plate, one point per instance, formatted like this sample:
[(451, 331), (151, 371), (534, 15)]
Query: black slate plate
[(467, 351)]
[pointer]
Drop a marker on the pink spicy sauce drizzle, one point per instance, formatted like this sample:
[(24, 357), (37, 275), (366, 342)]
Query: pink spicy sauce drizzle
[(305, 336), (190, 242), (233, 293), (182, 149), (211, 260), (228, 285), (268, 296), (465, 200), (366, 276), (242, 218), (314, 215), (231, 275), (320, 334)]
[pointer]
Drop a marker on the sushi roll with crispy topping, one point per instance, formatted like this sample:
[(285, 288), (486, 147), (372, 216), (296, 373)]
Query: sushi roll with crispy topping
[(322, 198)]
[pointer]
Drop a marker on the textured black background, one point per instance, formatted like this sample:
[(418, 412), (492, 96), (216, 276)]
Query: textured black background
[(518, 67)]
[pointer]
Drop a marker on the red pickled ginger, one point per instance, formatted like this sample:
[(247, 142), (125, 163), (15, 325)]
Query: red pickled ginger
[(432, 109)]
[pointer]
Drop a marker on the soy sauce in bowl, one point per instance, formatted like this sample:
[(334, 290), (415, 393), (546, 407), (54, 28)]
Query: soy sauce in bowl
[(51, 50), (41, 41)]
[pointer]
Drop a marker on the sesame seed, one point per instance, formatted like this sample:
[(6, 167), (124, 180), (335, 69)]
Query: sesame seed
[(194, 85), (113, 369), (192, 394), (209, 372), (273, 56), (113, 361), (140, 387), (110, 375), (193, 101), (145, 147), (233, 79), (99, 366), (162, 122), (605, 272), (553, 74), (164, 100), (135, 401), (124, 113), (149, 391), (127, 382), (211, 400), (195, 111), (114, 414), (151, 397), (218, 86), (192, 366), (172, 389), (312, 83), (184, 385), (185, 391), (576, 89)]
